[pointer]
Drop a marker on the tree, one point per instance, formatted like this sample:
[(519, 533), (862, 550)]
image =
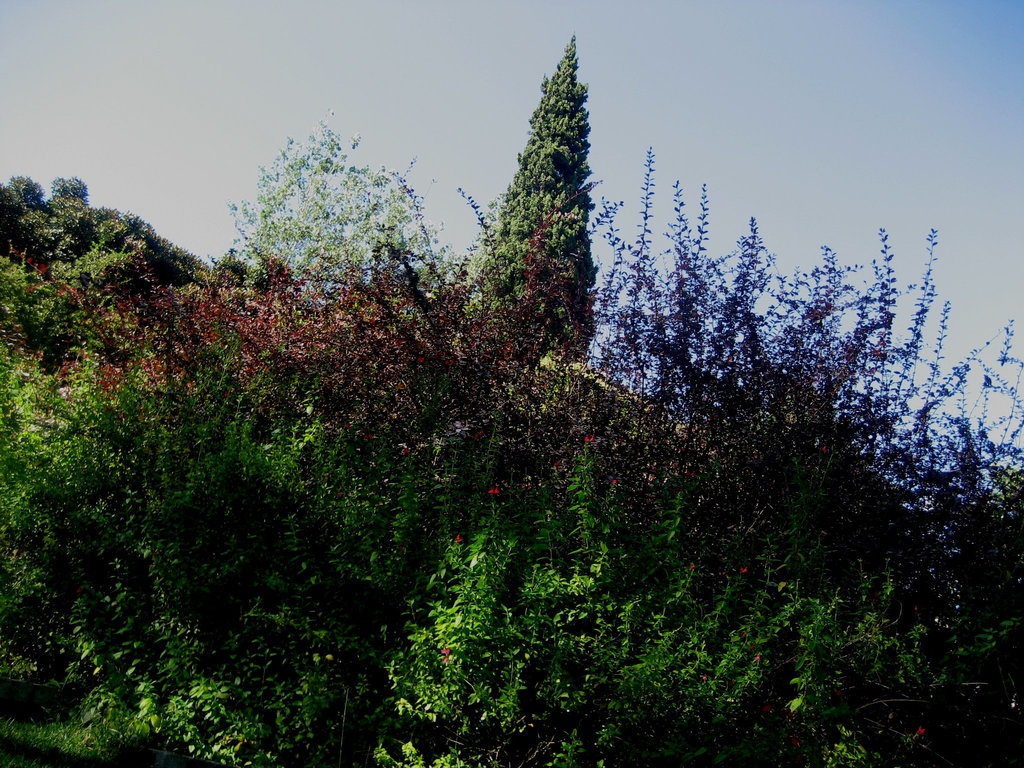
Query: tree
[(69, 188), (542, 220), (29, 192), (315, 210)]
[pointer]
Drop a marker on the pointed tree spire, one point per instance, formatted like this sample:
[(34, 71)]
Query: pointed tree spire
[(543, 218)]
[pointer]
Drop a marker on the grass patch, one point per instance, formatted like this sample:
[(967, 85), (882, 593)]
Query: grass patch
[(57, 745)]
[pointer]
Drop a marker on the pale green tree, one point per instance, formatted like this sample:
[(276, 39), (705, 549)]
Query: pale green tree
[(317, 210)]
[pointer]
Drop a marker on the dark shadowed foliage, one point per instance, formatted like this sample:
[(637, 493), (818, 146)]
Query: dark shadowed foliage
[(355, 519)]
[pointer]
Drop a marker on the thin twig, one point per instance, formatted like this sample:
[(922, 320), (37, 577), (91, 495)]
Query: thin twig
[(344, 713)]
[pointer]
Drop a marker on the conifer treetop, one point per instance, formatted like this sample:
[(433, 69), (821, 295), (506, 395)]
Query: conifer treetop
[(550, 191)]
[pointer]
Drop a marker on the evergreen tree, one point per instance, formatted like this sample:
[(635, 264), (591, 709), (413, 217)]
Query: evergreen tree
[(542, 220)]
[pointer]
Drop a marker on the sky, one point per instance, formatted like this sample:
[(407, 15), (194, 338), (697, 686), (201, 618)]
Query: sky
[(824, 119)]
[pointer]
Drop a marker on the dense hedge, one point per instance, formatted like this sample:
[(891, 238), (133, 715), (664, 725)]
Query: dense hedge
[(310, 523)]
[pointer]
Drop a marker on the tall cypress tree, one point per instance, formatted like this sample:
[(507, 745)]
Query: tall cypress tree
[(542, 220)]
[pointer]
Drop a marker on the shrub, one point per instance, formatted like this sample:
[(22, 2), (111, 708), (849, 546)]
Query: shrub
[(326, 518)]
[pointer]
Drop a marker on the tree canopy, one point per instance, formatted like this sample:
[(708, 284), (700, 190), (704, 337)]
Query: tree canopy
[(542, 226), (316, 210)]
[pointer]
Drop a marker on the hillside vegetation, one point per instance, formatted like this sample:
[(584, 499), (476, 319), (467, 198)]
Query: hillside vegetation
[(273, 513)]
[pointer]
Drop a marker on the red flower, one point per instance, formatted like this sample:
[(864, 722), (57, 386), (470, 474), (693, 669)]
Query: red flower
[(446, 655), (758, 657), (743, 569), (589, 439), (766, 708), (458, 538), (494, 491), (920, 730)]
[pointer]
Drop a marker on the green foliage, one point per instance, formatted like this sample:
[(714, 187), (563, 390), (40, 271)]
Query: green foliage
[(56, 745), (73, 188), (313, 518), (32, 642), (581, 641), (240, 542), (185, 587), (47, 310), (542, 220), (28, 192), (40, 232), (315, 210), (61, 259)]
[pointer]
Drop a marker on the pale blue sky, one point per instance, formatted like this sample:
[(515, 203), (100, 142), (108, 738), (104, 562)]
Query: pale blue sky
[(824, 119)]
